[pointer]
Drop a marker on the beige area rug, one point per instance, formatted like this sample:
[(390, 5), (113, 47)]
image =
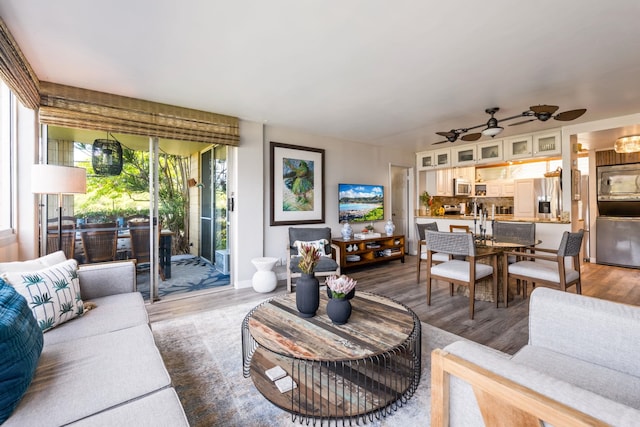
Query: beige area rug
[(203, 355)]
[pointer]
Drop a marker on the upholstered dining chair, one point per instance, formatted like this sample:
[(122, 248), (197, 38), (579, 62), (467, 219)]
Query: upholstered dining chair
[(328, 264), (548, 266), (456, 271), (139, 232), (519, 233), (454, 228), (421, 229), (99, 241)]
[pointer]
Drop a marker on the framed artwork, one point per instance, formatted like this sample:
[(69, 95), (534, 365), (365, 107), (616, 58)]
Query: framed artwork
[(297, 184)]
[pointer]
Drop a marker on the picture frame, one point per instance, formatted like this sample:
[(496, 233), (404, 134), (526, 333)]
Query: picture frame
[(297, 184)]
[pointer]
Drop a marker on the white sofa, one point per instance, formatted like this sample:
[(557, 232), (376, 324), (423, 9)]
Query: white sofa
[(582, 360), (102, 368)]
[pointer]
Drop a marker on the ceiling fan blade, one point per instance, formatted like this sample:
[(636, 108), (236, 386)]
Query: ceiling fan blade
[(566, 116), (446, 134), (440, 142), (544, 109), (471, 137), (522, 122)]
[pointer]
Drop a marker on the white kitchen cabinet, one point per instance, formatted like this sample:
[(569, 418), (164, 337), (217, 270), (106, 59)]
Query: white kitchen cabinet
[(468, 173), (442, 158), (424, 160), (489, 151), (508, 189), (519, 147), (523, 203), (444, 182), (547, 144), (463, 155)]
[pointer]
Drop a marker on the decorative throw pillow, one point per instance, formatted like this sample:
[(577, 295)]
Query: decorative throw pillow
[(33, 264), (318, 244), (53, 293), (20, 347)]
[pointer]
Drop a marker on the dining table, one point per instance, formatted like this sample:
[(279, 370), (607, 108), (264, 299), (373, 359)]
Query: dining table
[(483, 289)]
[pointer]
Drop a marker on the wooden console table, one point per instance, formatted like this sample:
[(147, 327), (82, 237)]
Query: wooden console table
[(362, 370), (371, 250)]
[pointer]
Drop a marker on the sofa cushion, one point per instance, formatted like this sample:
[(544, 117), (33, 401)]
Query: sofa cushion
[(34, 264), (606, 382), (20, 348), (80, 378), (53, 293), (111, 313), (324, 264), (162, 408)]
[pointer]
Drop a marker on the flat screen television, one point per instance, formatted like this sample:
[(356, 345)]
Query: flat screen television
[(360, 202)]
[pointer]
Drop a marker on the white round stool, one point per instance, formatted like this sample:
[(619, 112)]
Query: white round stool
[(264, 280)]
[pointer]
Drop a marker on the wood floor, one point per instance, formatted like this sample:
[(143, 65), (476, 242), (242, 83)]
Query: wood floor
[(502, 328)]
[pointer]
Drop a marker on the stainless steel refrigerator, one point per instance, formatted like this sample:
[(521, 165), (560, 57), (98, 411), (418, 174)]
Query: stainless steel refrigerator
[(547, 193)]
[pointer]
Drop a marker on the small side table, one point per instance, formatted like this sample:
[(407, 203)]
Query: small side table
[(265, 279)]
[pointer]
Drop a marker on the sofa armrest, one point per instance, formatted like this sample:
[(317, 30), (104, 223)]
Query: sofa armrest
[(602, 332), (471, 381), (107, 278)]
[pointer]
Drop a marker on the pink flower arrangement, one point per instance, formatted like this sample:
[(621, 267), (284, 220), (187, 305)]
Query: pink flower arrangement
[(340, 286)]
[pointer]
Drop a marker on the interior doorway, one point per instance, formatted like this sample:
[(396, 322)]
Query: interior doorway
[(399, 182), (213, 208)]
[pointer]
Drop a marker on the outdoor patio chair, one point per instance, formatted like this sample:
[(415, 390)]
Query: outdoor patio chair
[(328, 264), (457, 271), (548, 266), (99, 241), (139, 232), (68, 239)]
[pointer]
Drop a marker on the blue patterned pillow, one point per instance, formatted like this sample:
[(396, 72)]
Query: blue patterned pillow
[(53, 293), (20, 347)]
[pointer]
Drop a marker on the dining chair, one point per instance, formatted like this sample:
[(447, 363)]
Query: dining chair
[(329, 262), (456, 271), (519, 233), (459, 228), (421, 229), (559, 268), (139, 233), (68, 240), (99, 241)]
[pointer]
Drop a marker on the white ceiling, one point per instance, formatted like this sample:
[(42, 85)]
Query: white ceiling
[(374, 71)]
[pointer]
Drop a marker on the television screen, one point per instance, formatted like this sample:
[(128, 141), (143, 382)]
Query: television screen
[(360, 202)]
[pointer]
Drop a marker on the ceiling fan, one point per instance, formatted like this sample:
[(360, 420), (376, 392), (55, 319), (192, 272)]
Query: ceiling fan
[(493, 128)]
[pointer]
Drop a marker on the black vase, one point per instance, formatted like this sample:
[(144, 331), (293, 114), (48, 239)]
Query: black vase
[(307, 295), (339, 310)]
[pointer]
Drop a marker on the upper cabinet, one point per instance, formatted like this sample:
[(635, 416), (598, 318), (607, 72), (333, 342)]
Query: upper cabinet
[(518, 147), (547, 144), (424, 160), (490, 151), (464, 155), (442, 158)]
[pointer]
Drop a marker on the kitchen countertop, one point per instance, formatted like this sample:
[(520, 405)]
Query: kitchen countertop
[(497, 218)]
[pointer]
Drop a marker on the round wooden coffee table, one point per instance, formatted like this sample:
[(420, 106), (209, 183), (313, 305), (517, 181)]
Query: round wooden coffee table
[(362, 370)]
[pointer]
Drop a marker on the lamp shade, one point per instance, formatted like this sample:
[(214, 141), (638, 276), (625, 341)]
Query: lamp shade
[(54, 179), (492, 131)]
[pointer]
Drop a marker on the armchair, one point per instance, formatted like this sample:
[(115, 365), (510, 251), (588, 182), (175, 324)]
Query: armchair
[(548, 266), (457, 271), (328, 264)]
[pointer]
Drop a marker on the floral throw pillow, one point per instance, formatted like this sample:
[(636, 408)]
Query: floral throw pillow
[(53, 293), (319, 245)]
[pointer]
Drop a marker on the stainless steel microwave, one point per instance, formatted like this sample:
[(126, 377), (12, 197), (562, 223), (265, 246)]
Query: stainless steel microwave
[(462, 187)]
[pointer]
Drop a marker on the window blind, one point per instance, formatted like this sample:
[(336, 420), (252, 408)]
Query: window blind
[(16, 72), (74, 107)]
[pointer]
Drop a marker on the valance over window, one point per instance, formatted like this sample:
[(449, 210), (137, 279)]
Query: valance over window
[(73, 107), (16, 72)]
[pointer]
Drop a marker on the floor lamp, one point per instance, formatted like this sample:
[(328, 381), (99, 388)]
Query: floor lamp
[(54, 179)]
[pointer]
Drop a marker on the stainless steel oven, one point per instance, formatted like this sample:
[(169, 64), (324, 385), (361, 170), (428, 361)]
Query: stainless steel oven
[(462, 187), (619, 190)]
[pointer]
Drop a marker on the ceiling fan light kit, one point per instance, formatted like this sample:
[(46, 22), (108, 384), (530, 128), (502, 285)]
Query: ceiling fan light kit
[(627, 144), (493, 128)]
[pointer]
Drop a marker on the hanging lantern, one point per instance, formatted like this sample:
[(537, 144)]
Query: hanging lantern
[(106, 157)]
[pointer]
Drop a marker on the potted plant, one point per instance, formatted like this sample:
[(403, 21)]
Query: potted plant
[(307, 286), (342, 290), (425, 202)]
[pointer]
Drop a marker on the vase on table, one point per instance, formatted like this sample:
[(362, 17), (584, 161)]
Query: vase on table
[(346, 231), (339, 310), (307, 294), (389, 228)]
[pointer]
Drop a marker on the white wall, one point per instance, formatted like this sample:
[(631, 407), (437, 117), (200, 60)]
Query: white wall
[(345, 162)]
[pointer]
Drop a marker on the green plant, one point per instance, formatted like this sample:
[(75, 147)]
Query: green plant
[(309, 257), (424, 199)]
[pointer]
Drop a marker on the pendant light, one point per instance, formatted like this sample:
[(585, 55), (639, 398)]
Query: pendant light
[(106, 157)]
